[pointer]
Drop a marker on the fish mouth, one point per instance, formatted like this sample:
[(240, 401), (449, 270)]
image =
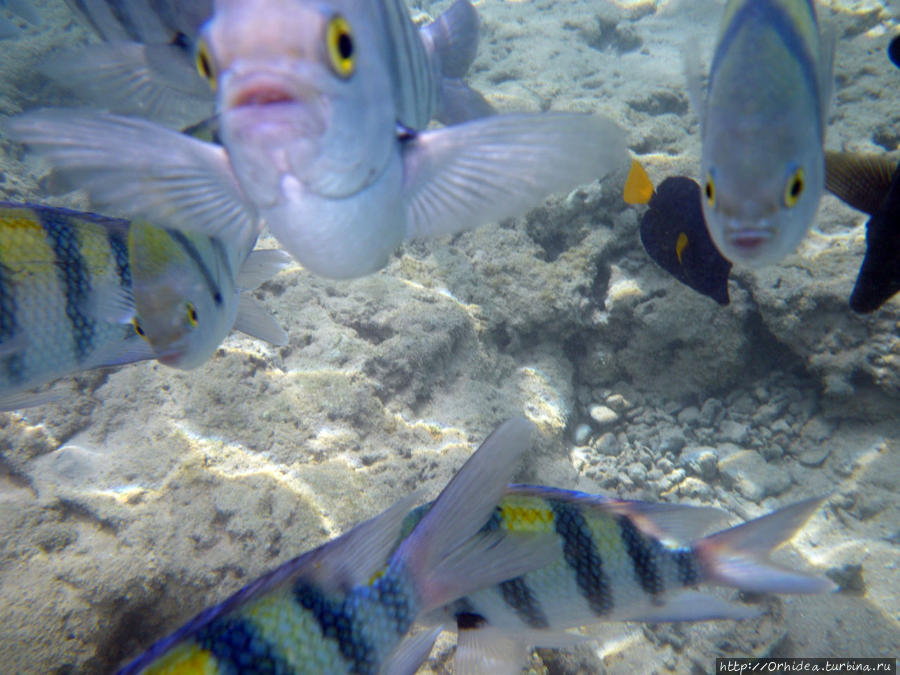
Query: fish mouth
[(749, 241), (262, 95)]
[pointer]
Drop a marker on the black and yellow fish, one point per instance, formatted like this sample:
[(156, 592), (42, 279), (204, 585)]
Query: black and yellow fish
[(674, 233)]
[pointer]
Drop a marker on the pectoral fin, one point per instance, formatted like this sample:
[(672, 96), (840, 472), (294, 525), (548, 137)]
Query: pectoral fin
[(134, 167), (497, 167)]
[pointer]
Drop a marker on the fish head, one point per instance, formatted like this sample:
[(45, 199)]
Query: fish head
[(302, 89), (760, 190), (184, 294)]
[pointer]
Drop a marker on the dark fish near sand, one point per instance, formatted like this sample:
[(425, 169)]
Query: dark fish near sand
[(871, 184), (674, 233)]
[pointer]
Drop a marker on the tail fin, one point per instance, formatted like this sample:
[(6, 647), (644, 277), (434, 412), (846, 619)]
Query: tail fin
[(446, 554), (452, 41), (453, 38), (739, 556)]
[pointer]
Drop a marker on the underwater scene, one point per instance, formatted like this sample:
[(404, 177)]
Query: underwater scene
[(438, 336)]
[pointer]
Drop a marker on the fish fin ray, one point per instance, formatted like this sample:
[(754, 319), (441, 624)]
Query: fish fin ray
[(488, 651), (738, 556), (256, 321), (261, 265), (453, 38), (458, 103), (152, 81), (497, 167), (412, 651), (133, 166), (860, 180)]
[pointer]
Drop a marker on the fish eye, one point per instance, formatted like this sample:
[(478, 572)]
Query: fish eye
[(341, 47), (710, 189), (203, 61), (192, 314), (138, 328), (793, 189)]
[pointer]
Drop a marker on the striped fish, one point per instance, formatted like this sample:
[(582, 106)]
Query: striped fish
[(615, 560), (145, 62), (346, 607), (81, 291), (763, 128)]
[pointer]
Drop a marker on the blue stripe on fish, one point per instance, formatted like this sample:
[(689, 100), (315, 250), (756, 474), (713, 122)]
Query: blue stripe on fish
[(13, 364), (188, 246), (771, 13), (73, 275), (643, 553), (582, 556), (118, 243), (338, 625), (688, 569), (517, 594), (239, 648)]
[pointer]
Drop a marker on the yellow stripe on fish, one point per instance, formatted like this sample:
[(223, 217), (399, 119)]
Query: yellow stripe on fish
[(186, 659), (521, 515)]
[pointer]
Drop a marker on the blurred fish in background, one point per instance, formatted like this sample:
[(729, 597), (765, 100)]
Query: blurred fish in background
[(763, 127), (322, 108), (81, 291), (144, 64)]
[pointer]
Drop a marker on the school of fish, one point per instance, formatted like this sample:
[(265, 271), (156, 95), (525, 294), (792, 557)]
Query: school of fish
[(321, 118)]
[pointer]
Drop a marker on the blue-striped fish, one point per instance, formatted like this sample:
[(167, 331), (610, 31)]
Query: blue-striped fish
[(346, 607), (763, 126), (615, 560), (80, 291), (322, 107)]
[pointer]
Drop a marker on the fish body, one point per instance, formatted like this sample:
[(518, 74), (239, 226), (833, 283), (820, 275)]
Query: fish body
[(346, 607), (53, 263), (616, 560), (871, 184), (321, 107), (80, 291), (763, 128), (674, 233)]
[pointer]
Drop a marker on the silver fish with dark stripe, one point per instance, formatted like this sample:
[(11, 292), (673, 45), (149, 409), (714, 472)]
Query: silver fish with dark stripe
[(615, 560), (81, 291)]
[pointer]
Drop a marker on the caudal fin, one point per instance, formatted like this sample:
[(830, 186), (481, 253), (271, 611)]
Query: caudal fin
[(739, 556), (452, 41)]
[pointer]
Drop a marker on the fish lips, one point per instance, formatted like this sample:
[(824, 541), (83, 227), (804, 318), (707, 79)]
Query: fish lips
[(750, 243)]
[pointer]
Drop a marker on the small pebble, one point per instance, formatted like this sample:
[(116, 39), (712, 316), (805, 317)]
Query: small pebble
[(603, 415), (581, 434)]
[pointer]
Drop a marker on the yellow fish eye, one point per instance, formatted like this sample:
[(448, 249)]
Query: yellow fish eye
[(138, 328), (710, 189), (794, 188), (203, 61), (341, 47), (192, 314)]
